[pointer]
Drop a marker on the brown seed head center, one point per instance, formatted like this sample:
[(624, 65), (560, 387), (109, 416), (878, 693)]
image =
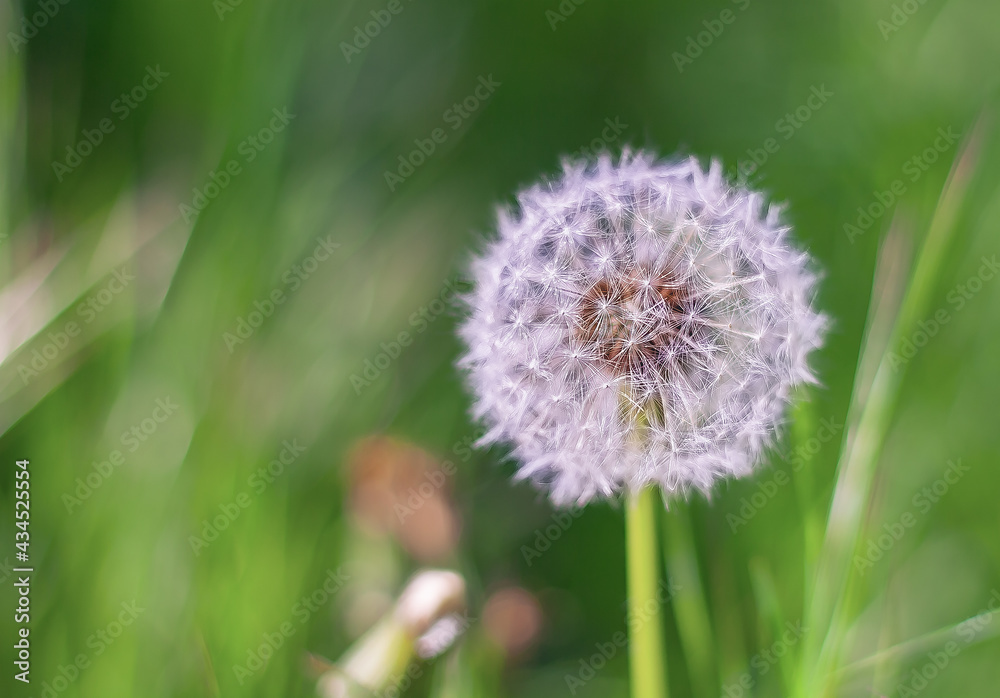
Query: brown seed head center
[(635, 323)]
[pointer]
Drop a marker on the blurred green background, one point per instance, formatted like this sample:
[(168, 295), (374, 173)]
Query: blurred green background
[(169, 171)]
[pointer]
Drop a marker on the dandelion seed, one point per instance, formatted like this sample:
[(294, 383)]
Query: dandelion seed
[(638, 323)]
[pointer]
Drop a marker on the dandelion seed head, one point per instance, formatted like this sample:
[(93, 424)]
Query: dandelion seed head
[(637, 322)]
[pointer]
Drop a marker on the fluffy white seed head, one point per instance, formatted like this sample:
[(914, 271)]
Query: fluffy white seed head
[(637, 323)]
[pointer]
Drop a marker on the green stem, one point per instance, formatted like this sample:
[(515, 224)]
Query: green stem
[(647, 660)]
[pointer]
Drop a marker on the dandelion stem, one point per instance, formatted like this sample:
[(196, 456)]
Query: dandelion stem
[(647, 660)]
